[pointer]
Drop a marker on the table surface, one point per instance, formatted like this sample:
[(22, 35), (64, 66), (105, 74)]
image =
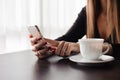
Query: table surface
[(25, 66)]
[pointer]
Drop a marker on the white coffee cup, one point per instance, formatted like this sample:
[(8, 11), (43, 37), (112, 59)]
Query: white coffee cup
[(91, 48)]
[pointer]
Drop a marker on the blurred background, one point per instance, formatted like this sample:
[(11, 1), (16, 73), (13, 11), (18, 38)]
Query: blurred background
[(54, 18)]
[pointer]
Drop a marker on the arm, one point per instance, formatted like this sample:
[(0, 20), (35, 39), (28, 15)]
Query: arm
[(78, 30)]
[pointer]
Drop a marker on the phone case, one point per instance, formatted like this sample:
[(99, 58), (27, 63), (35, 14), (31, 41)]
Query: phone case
[(35, 31)]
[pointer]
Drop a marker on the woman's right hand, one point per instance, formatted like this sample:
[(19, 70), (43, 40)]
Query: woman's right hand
[(39, 47)]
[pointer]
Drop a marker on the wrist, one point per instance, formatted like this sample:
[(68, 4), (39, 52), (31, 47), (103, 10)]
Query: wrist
[(76, 47)]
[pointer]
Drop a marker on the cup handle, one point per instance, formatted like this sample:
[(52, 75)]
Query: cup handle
[(107, 50)]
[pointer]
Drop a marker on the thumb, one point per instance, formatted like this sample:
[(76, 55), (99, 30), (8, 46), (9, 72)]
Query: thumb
[(52, 42)]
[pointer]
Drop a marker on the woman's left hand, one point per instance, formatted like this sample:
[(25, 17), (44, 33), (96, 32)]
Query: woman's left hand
[(65, 48)]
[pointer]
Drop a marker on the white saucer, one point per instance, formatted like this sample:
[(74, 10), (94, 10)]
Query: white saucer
[(103, 59)]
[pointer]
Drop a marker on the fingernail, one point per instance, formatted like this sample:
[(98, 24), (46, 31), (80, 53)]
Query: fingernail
[(30, 36)]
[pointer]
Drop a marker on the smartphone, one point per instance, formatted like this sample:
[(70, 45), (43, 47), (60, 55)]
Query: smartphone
[(35, 31)]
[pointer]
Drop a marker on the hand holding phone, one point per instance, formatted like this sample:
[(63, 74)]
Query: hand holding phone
[(35, 32)]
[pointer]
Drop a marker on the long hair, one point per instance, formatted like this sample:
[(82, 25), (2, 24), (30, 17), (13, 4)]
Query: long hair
[(116, 15), (93, 10)]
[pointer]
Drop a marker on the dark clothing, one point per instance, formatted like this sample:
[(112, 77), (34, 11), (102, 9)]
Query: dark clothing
[(78, 30)]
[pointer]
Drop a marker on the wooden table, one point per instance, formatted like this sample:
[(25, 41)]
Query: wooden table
[(25, 66)]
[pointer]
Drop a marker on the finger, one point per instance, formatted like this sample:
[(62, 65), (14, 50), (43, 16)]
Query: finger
[(59, 47), (33, 49), (64, 48), (43, 51), (52, 42), (39, 45), (39, 55), (68, 50), (34, 40), (53, 48), (36, 53)]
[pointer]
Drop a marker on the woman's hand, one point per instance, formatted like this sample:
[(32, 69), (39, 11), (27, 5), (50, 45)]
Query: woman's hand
[(39, 47), (64, 48)]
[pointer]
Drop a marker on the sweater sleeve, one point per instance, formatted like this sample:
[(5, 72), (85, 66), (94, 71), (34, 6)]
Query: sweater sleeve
[(116, 51), (78, 30)]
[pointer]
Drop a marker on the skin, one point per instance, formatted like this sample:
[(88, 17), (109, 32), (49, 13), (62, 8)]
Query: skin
[(62, 48), (103, 29)]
